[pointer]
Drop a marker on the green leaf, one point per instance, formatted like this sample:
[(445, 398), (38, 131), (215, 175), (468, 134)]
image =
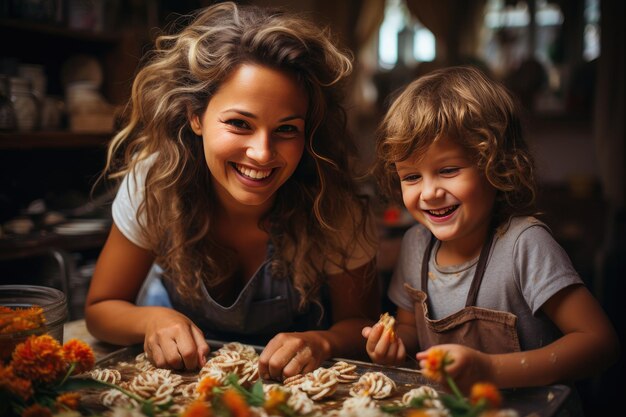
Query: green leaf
[(392, 409), (457, 407), (148, 408), (287, 411), (251, 398), (257, 390), (77, 383)]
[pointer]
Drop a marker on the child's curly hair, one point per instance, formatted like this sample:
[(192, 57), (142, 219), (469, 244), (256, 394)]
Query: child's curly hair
[(464, 104)]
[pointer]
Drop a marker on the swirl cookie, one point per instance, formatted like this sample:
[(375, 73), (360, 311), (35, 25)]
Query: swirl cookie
[(373, 384)]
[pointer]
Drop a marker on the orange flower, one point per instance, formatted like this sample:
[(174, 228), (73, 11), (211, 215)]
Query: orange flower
[(205, 387), (198, 409), (68, 401), (436, 362), (39, 358), (78, 352), (36, 410), (12, 383), (20, 319), (275, 398), (417, 413), (486, 392), (235, 403)]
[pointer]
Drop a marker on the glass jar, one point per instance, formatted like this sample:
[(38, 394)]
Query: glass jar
[(25, 104), (55, 312), (37, 77), (7, 112)]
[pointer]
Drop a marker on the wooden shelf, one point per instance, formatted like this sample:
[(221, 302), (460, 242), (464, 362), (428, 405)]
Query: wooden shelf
[(53, 139), (41, 243), (26, 26)]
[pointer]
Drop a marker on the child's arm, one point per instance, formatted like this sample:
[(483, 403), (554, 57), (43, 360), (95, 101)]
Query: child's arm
[(387, 349), (170, 338), (588, 346)]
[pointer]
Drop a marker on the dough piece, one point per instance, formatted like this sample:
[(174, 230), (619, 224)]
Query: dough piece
[(373, 384), (345, 372), (389, 323), (430, 397)]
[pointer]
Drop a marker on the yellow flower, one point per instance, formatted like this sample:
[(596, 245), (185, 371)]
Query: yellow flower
[(198, 409), (436, 362), (36, 410), (235, 403), (78, 352), (486, 392), (12, 383), (39, 358), (275, 398), (68, 401), (205, 387)]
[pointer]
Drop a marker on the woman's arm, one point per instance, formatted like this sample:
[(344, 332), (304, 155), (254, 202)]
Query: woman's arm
[(170, 338), (588, 346), (355, 303)]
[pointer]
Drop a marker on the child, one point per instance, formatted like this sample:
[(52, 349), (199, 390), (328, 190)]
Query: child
[(478, 276), (233, 163)]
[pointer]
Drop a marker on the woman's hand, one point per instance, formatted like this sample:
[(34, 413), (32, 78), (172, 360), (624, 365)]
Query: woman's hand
[(173, 341), (382, 346), (289, 354), (468, 365)]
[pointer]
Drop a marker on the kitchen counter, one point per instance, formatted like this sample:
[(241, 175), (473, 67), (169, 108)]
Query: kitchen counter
[(77, 329)]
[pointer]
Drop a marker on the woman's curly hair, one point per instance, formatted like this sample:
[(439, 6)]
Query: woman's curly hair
[(178, 79), (464, 104)]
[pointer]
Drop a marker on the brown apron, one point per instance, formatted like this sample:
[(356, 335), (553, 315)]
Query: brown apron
[(488, 331)]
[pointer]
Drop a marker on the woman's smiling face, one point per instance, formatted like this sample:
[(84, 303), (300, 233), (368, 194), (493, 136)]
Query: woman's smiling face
[(253, 131)]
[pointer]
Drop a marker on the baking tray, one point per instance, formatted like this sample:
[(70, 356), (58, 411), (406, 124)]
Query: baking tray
[(545, 401)]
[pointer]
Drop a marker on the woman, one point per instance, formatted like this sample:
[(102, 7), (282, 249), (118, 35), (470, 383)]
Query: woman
[(272, 237)]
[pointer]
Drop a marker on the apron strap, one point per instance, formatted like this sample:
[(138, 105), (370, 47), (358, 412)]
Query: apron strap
[(480, 270), (425, 260), (478, 274)]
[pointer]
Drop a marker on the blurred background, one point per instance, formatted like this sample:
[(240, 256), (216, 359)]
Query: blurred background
[(66, 67)]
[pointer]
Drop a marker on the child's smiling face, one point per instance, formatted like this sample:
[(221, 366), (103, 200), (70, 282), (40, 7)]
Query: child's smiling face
[(444, 190)]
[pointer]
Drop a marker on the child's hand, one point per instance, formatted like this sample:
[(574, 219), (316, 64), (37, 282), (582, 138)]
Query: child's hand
[(468, 365), (173, 341), (383, 346)]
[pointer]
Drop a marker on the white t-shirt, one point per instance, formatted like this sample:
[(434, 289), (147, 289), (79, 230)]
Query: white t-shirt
[(131, 194)]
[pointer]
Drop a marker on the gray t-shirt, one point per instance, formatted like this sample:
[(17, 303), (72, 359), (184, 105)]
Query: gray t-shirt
[(526, 267)]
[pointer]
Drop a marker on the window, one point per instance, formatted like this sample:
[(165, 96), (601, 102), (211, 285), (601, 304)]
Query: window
[(591, 40), (402, 38)]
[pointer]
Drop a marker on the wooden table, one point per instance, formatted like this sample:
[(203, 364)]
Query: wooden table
[(538, 401), (77, 329)]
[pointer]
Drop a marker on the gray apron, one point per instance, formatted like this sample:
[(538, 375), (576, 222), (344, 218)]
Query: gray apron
[(266, 306), (483, 329)]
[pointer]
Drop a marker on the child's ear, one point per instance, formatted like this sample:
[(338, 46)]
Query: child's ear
[(194, 122)]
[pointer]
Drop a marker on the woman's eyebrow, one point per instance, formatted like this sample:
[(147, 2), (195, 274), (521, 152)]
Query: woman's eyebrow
[(241, 112), (253, 116), (293, 117)]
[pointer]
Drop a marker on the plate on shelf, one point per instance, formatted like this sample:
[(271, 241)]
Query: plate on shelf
[(81, 227)]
